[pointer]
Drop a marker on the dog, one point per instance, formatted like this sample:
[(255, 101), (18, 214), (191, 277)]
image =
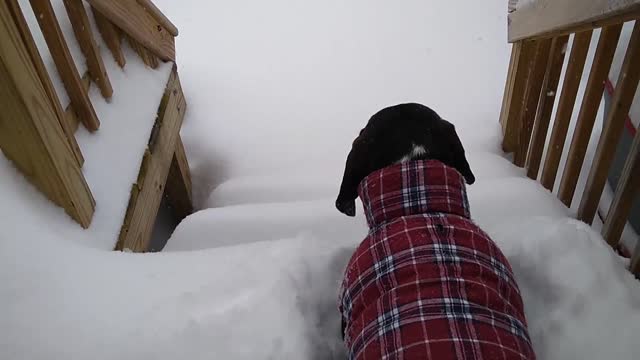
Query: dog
[(426, 282)]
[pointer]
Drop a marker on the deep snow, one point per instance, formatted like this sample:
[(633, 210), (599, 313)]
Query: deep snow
[(276, 92)]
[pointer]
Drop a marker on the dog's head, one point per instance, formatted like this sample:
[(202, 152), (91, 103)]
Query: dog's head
[(397, 134)]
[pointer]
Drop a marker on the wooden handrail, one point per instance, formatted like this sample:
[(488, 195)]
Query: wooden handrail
[(549, 18)]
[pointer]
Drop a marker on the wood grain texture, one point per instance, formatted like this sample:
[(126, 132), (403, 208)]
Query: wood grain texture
[(140, 218), (178, 188), (147, 57), (70, 115), (547, 101), (111, 36), (135, 21), (548, 18), (508, 89), (513, 103), (614, 124), (36, 59), (82, 29), (588, 110), (566, 103), (64, 63), (30, 132), (625, 194), (159, 16), (532, 99)]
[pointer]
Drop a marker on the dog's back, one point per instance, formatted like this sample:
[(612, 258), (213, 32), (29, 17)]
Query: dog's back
[(427, 283)]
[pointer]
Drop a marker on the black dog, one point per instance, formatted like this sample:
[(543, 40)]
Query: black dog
[(395, 134)]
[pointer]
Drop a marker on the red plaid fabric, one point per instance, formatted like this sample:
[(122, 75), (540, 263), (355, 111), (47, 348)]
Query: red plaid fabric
[(427, 283)]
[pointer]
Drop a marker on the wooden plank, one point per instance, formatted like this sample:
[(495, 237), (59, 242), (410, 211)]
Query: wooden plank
[(82, 29), (532, 99), (159, 16), (71, 116), (36, 59), (111, 36), (509, 85), (572, 78), (624, 196), (548, 18), (513, 104), (178, 188), (64, 63), (547, 100), (620, 105), (136, 22), (589, 109), (147, 58), (140, 218), (30, 132)]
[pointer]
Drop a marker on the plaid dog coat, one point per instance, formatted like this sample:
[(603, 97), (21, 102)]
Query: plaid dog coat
[(427, 283)]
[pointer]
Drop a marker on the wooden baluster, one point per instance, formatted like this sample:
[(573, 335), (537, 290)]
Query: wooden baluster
[(590, 103), (513, 102), (547, 100), (111, 36), (82, 29), (623, 199), (532, 99), (573, 75), (620, 105), (64, 63)]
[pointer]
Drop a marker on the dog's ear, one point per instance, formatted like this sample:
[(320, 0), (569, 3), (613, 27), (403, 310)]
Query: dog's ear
[(457, 155), (358, 166)]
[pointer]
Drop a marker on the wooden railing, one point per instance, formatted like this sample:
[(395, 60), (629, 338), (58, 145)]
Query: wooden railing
[(38, 134), (540, 34)]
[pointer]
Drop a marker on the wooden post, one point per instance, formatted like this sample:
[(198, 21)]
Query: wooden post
[(532, 99), (513, 102), (136, 22), (620, 105), (178, 188), (146, 194), (573, 74), (111, 36), (547, 100), (625, 193), (36, 59), (30, 132), (82, 29), (590, 103), (64, 63)]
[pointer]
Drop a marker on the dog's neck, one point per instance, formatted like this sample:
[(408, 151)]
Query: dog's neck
[(413, 188)]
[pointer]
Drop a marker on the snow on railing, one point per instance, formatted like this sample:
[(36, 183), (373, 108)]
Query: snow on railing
[(543, 18), (542, 32)]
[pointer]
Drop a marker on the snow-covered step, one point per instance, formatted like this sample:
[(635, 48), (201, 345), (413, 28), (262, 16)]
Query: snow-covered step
[(313, 184), (492, 202)]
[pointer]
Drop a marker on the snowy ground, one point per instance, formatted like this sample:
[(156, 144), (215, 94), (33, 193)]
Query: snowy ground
[(276, 92)]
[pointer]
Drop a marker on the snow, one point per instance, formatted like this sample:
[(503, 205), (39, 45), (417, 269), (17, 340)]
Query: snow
[(277, 90)]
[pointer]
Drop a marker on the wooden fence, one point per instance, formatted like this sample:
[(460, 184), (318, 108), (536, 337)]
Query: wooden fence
[(38, 135), (540, 34)]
